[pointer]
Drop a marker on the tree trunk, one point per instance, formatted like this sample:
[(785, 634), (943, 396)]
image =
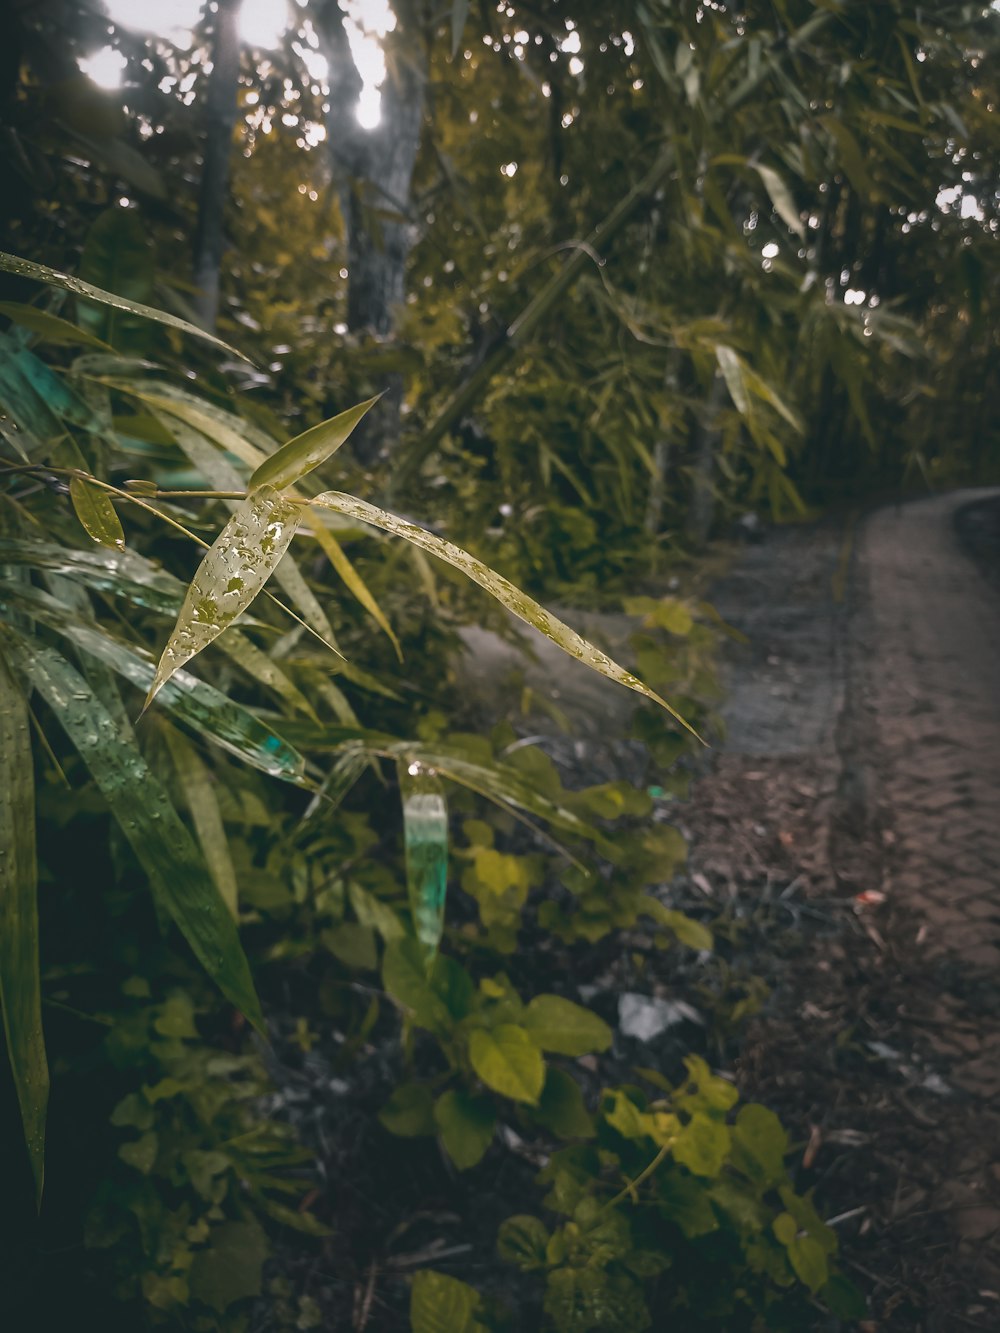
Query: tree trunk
[(375, 169), (220, 119)]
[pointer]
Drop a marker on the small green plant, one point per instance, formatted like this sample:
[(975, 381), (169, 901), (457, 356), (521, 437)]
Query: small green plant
[(680, 1209), (493, 1044), (198, 1168)]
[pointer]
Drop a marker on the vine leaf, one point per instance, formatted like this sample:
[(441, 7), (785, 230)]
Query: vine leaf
[(96, 513), (522, 606), (235, 568), (306, 451), (20, 992), (508, 1061)]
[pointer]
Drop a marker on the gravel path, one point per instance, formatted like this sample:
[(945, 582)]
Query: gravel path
[(926, 646), (871, 684)]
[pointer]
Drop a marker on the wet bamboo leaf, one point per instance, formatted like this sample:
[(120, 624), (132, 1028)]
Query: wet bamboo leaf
[(234, 570), (178, 876), (96, 513), (201, 706), (20, 995), (51, 328), (308, 450), (24, 268), (425, 834), (131, 576), (516, 601), (497, 782), (221, 474), (200, 436)]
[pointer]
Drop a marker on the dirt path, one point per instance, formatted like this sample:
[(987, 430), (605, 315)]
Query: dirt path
[(861, 779), (848, 835), (927, 647)]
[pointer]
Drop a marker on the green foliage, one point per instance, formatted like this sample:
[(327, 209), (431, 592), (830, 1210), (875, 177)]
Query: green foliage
[(492, 1043), (701, 1224), (198, 1167)]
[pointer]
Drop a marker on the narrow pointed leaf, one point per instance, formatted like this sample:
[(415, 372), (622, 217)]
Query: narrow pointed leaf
[(97, 514), (235, 568), (177, 874), (128, 575), (516, 601), (731, 366), (42, 273), (221, 474), (781, 198), (51, 328), (20, 993), (206, 710), (351, 579), (308, 450), (425, 835), (199, 792)]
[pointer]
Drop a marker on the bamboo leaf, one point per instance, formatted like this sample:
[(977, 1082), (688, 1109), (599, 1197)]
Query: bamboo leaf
[(731, 366), (308, 450), (781, 198), (221, 474), (96, 513), (516, 601), (199, 792), (24, 268), (351, 579), (234, 570), (51, 328), (425, 833), (178, 877), (197, 431), (20, 992), (205, 709), (131, 576)]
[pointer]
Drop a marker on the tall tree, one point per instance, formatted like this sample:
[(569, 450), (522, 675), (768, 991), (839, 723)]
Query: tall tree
[(220, 121), (374, 170)]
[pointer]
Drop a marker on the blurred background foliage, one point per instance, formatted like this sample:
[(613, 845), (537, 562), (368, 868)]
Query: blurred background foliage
[(626, 272)]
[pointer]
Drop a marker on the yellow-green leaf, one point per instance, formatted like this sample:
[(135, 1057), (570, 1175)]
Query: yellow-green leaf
[(508, 1061), (560, 1025), (20, 996), (516, 601), (702, 1145), (466, 1125), (306, 451), (442, 1304), (96, 513), (234, 570)]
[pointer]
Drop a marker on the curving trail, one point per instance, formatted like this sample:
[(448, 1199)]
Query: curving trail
[(860, 778)]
